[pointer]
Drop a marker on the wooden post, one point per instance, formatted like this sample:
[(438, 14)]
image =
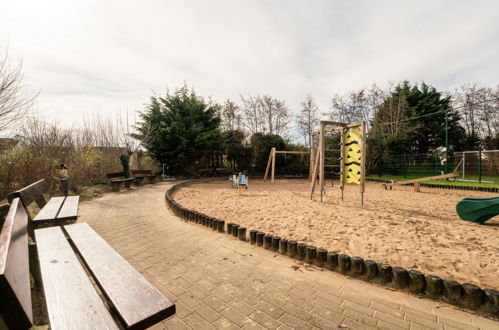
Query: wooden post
[(321, 158), (362, 162), (268, 165), (273, 165), (312, 156), (314, 174), (342, 162)]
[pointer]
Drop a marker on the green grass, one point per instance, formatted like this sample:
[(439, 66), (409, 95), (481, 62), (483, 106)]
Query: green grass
[(442, 182)]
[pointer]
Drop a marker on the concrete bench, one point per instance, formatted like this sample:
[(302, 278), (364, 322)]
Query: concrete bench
[(117, 179), (54, 212), (71, 259)]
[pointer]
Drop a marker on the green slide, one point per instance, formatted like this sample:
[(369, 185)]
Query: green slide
[(478, 209)]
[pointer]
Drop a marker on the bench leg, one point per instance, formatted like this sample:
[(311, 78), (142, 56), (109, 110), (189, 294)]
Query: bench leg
[(152, 179), (115, 186), (139, 181), (128, 183)]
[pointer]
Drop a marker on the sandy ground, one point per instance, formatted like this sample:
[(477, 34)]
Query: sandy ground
[(400, 227)]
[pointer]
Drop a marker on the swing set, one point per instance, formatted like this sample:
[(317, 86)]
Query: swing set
[(271, 163)]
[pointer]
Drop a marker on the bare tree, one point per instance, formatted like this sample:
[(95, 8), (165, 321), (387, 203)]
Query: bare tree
[(15, 101), (230, 115), (252, 112), (308, 118), (479, 109), (265, 114), (358, 105)]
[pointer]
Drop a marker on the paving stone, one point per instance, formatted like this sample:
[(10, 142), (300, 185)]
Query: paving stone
[(387, 303), (181, 309), (414, 311), (387, 310), (194, 320), (456, 324), (422, 321), (215, 303), (358, 308), (206, 285), (294, 322), (223, 323), (253, 326), (272, 300), (235, 317), (330, 297), (388, 326), (189, 300), (175, 323), (268, 309), (322, 323), (266, 321), (357, 299), (354, 315), (328, 314), (241, 307), (296, 311), (197, 292), (355, 325), (391, 319), (207, 313)]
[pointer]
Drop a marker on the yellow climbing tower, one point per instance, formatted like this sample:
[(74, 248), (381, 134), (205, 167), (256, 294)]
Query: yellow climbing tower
[(352, 154)]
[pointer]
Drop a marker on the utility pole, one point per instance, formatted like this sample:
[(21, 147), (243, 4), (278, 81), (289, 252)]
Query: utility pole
[(446, 141)]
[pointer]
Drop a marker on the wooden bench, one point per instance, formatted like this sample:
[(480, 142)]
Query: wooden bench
[(140, 175), (223, 171), (206, 172), (57, 210), (71, 259), (117, 179)]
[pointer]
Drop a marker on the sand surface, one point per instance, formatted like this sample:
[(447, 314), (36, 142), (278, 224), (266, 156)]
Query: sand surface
[(400, 227)]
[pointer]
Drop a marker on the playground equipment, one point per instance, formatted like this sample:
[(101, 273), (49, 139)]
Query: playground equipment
[(352, 156), (478, 209), (417, 182), (239, 182), (271, 161)]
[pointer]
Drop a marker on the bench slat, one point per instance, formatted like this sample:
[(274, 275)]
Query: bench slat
[(15, 289), (136, 300), (69, 210), (72, 301), (31, 193), (49, 212)]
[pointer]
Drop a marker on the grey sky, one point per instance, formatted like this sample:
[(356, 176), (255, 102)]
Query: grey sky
[(108, 56)]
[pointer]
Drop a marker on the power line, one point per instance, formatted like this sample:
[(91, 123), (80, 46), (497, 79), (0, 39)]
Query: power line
[(437, 112)]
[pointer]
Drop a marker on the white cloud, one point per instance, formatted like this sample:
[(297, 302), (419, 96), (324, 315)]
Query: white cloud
[(108, 56)]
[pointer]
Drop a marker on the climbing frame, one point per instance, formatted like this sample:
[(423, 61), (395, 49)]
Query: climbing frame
[(352, 159)]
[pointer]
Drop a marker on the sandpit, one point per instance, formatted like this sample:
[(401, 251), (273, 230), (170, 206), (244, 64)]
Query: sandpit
[(399, 227)]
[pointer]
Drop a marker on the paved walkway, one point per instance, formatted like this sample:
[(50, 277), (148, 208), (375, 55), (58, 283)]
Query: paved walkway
[(219, 282)]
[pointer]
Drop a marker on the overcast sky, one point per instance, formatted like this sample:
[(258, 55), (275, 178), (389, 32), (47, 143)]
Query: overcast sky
[(109, 56)]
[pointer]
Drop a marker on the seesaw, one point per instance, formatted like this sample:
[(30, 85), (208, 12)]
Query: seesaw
[(417, 182)]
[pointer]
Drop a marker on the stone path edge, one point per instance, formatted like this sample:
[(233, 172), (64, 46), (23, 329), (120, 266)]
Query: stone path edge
[(469, 296)]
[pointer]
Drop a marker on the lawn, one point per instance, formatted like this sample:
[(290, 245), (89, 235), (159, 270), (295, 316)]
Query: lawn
[(442, 182)]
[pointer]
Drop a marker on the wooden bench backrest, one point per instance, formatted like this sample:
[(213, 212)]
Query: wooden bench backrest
[(32, 193), (115, 175), (141, 172), (15, 290)]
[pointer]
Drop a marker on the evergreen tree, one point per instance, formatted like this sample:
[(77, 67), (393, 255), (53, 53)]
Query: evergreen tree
[(185, 130)]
